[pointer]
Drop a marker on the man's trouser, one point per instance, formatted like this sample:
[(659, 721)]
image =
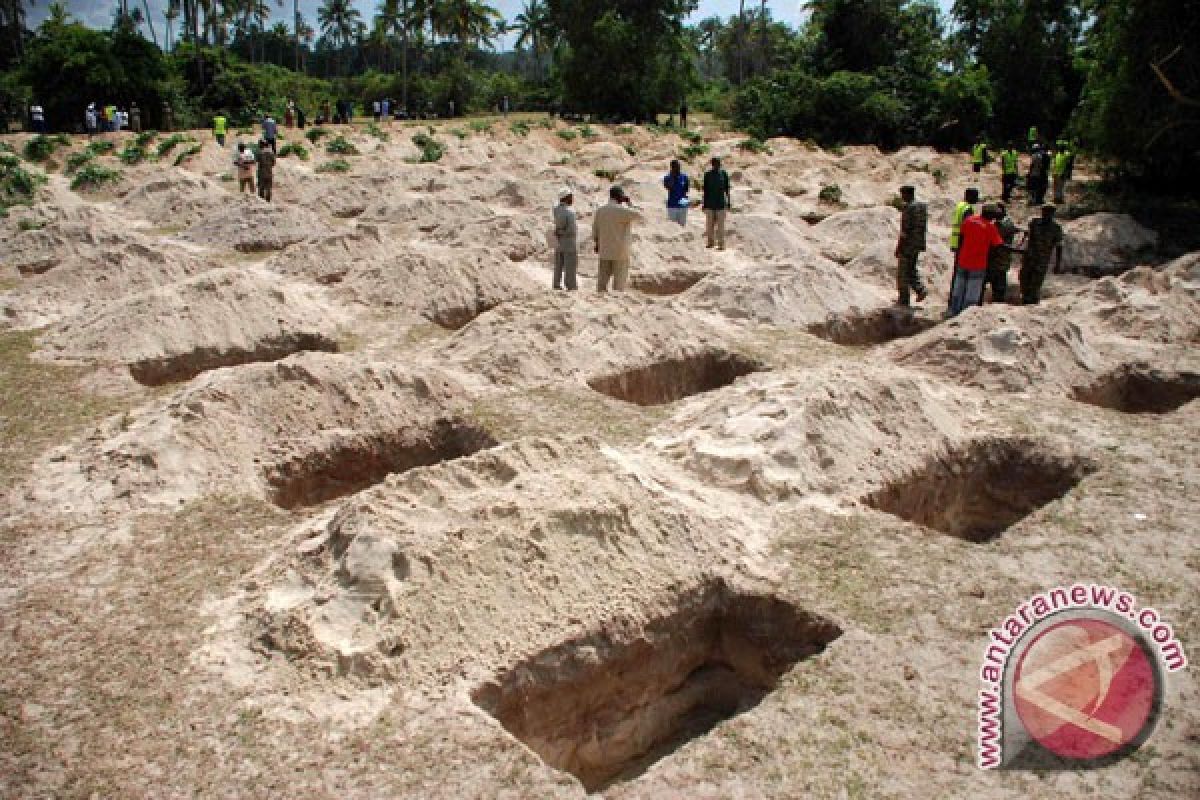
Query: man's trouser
[(907, 276), (997, 278), (1008, 182), (967, 291), (220, 138), (977, 167), (714, 227), (1037, 190), (264, 189), (1032, 277), (565, 263), (246, 183), (677, 215), (1060, 189), (617, 270)]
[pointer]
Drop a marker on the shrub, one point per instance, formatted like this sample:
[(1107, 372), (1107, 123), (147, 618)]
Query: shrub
[(567, 135), (831, 195), (586, 131), (459, 132), (693, 152), (546, 124), (431, 149), (101, 146), (145, 138), (245, 131), (168, 144), (631, 150), (939, 176), (132, 154), (754, 146), (479, 126), (337, 165), (378, 132), (294, 149), (625, 130), (691, 136), (77, 160), (39, 148), (27, 224), (609, 175), (93, 176), (520, 128), (314, 134), (187, 153), (339, 146), (17, 184)]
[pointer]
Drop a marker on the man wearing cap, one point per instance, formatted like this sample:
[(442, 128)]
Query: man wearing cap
[(566, 246), (914, 219), (612, 231), (1000, 258), (1045, 237)]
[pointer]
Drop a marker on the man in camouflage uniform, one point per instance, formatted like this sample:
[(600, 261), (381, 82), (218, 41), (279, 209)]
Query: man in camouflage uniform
[(913, 221), (1000, 258), (1045, 237)]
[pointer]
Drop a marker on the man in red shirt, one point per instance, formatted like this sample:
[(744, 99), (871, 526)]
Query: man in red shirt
[(979, 236)]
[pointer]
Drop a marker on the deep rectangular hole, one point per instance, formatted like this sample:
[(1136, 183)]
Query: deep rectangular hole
[(606, 706), (676, 378), (1139, 389), (978, 490), (360, 460), (875, 327), (667, 283), (185, 366)]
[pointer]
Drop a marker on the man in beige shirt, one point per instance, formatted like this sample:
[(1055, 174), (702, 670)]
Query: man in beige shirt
[(612, 230)]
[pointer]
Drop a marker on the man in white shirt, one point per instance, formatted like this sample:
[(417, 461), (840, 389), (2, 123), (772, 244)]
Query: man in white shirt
[(612, 230), (566, 245)]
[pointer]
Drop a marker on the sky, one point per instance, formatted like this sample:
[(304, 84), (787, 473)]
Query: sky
[(98, 13)]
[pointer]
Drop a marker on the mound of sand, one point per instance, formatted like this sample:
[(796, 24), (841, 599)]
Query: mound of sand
[(845, 235), (829, 431), (221, 318), (298, 432), (876, 264), (449, 286), (250, 225), (1142, 304), (167, 199), (799, 294), (999, 348), (1100, 244), (70, 265)]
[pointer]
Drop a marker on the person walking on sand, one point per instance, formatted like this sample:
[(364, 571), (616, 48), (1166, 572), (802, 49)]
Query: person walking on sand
[(717, 202), (566, 241), (1045, 238), (270, 129), (677, 184), (979, 237), (914, 221), (219, 123), (1000, 258), (612, 231), (244, 161), (266, 170)]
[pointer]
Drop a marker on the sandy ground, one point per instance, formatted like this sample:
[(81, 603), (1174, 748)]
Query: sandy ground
[(336, 498)]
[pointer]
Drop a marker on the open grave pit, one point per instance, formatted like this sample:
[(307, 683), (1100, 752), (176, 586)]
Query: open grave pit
[(606, 706), (855, 329), (1140, 389), (978, 490), (673, 379)]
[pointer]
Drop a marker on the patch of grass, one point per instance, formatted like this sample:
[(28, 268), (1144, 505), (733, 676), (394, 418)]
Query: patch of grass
[(101, 146), (94, 176), (314, 135), (245, 131), (459, 132), (27, 224), (337, 165), (609, 175), (838, 150), (691, 136), (144, 138), (625, 130), (167, 145), (39, 148), (340, 146), (431, 149), (520, 128), (62, 139), (379, 133), (631, 150), (18, 185), (587, 132), (132, 154), (294, 149), (939, 176), (480, 126), (187, 153), (754, 146), (76, 160), (693, 152), (546, 124), (830, 195), (567, 135)]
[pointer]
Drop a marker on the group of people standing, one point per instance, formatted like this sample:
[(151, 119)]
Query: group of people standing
[(612, 226), (983, 243), (1046, 167)]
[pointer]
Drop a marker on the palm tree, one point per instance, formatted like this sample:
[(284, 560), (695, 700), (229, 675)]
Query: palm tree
[(340, 22), (171, 14), (471, 22), (533, 27), (709, 30), (387, 25)]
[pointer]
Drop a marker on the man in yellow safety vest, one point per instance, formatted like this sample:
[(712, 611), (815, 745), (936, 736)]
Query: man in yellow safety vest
[(1010, 165), (979, 155), (1059, 170)]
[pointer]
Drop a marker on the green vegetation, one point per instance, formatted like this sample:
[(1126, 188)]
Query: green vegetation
[(77, 160), (340, 146), (40, 148), (294, 149), (691, 136), (754, 146), (94, 176), (18, 185), (586, 132), (337, 165), (479, 126), (188, 152), (378, 132), (459, 133), (314, 135), (693, 152), (567, 135), (520, 128), (625, 130), (101, 146), (144, 138), (28, 224), (609, 175), (168, 144), (431, 149), (132, 154), (830, 195)]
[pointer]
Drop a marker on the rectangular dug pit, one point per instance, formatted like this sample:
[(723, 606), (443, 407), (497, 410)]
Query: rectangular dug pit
[(185, 366), (1139, 389), (607, 706), (875, 327), (978, 490), (355, 461), (676, 378)]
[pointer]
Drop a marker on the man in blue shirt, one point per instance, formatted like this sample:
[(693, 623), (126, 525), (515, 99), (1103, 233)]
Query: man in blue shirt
[(677, 185)]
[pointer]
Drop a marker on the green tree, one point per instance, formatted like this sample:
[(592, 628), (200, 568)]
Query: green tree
[(534, 31), (624, 58), (340, 22)]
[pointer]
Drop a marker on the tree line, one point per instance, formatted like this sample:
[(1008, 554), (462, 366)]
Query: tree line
[(1120, 76)]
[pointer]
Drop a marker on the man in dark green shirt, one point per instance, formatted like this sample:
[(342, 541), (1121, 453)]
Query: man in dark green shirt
[(717, 203)]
